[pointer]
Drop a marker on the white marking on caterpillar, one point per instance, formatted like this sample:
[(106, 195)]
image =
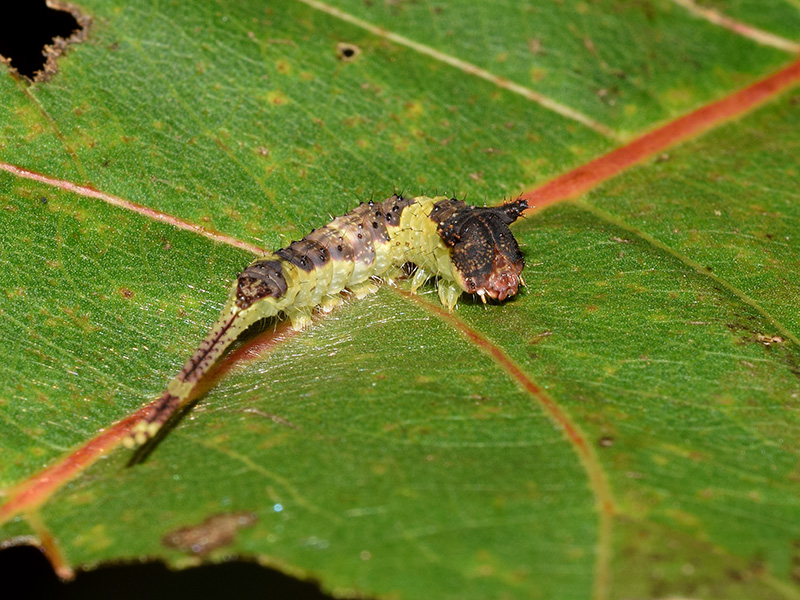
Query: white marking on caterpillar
[(469, 249)]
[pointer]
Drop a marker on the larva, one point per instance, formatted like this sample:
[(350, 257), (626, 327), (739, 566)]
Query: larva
[(469, 249)]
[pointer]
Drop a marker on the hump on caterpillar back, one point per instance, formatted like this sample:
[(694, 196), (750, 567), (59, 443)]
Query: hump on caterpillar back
[(486, 257)]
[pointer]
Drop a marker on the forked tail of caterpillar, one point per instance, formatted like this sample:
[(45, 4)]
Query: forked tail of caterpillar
[(469, 249)]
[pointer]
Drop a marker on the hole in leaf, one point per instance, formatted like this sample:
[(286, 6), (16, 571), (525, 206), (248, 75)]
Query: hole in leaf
[(33, 35), (347, 52)]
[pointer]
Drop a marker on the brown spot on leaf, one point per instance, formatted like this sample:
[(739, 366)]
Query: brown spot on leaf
[(605, 441), (215, 532), (758, 337), (277, 97), (535, 45), (125, 293), (768, 340)]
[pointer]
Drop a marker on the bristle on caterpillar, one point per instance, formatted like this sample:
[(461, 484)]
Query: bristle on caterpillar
[(467, 248)]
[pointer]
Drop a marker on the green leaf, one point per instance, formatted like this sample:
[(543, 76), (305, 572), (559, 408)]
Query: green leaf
[(625, 427)]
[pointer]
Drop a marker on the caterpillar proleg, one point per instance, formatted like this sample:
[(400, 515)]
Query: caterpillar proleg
[(469, 249)]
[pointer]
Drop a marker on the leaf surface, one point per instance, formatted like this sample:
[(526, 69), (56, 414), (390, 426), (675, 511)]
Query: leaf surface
[(625, 427)]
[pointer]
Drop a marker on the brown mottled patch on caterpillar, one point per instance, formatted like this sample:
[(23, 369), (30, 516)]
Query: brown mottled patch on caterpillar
[(466, 248), (263, 278), (485, 253)]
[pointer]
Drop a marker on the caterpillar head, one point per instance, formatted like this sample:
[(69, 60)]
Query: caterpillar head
[(486, 257)]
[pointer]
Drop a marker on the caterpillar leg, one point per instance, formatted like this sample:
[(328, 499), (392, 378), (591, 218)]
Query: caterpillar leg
[(419, 277), (364, 289), (449, 293), (300, 318), (329, 303)]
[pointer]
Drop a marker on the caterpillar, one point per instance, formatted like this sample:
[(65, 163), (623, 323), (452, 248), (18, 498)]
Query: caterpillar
[(469, 249)]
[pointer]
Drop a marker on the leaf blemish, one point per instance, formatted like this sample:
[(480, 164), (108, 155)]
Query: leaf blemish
[(272, 417), (215, 532), (754, 336), (769, 340), (539, 337), (277, 97)]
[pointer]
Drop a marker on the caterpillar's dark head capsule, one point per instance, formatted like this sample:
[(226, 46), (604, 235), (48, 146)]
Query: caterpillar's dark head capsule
[(484, 252)]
